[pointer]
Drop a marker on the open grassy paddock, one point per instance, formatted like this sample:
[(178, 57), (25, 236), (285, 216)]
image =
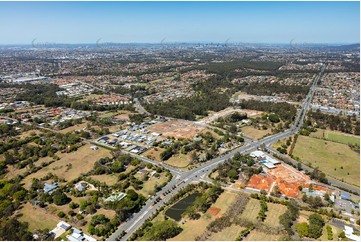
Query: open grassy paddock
[(261, 236), (274, 211), (153, 153), (336, 136), (192, 229), (179, 160), (149, 185), (332, 158), (13, 171), (74, 128), (255, 134), (227, 234), (81, 161), (37, 217), (251, 211), (109, 179), (225, 200)]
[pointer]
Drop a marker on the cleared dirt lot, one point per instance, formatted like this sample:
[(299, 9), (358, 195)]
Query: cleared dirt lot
[(225, 112), (284, 176), (81, 161), (260, 182), (177, 128)]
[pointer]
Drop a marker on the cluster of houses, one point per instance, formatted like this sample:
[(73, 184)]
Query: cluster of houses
[(113, 99), (135, 137), (338, 92), (9, 121), (75, 89), (76, 235), (54, 116), (69, 114), (136, 149)]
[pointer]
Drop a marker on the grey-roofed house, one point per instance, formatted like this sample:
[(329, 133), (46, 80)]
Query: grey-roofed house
[(345, 196), (50, 187)]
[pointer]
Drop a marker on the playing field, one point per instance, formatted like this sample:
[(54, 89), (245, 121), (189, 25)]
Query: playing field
[(253, 133), (37, 217), (336, 136), (81, 161), (332, 158)]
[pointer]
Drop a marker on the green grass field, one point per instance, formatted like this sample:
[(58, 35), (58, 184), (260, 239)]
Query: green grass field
[(336, 136), (330, 157)]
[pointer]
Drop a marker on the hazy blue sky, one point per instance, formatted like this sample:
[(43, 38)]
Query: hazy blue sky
[(261, 22)]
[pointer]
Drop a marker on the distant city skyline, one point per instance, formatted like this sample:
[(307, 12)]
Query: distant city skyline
[(171, 22)]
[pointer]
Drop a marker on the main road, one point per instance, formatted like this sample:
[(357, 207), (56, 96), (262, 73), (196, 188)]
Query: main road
[(182, 179)]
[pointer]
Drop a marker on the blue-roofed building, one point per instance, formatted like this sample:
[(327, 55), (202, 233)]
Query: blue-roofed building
[(345, 196), (50, 187)]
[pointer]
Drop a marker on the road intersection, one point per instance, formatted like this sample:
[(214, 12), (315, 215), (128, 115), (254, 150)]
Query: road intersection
[(183, 178)]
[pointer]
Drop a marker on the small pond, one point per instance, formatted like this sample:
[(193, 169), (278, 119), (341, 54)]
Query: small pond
[(175, 212)]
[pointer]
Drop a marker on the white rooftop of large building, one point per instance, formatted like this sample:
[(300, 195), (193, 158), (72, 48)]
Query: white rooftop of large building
[(257, 153)]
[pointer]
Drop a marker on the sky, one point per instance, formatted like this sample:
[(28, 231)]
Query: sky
[(154, 22)]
